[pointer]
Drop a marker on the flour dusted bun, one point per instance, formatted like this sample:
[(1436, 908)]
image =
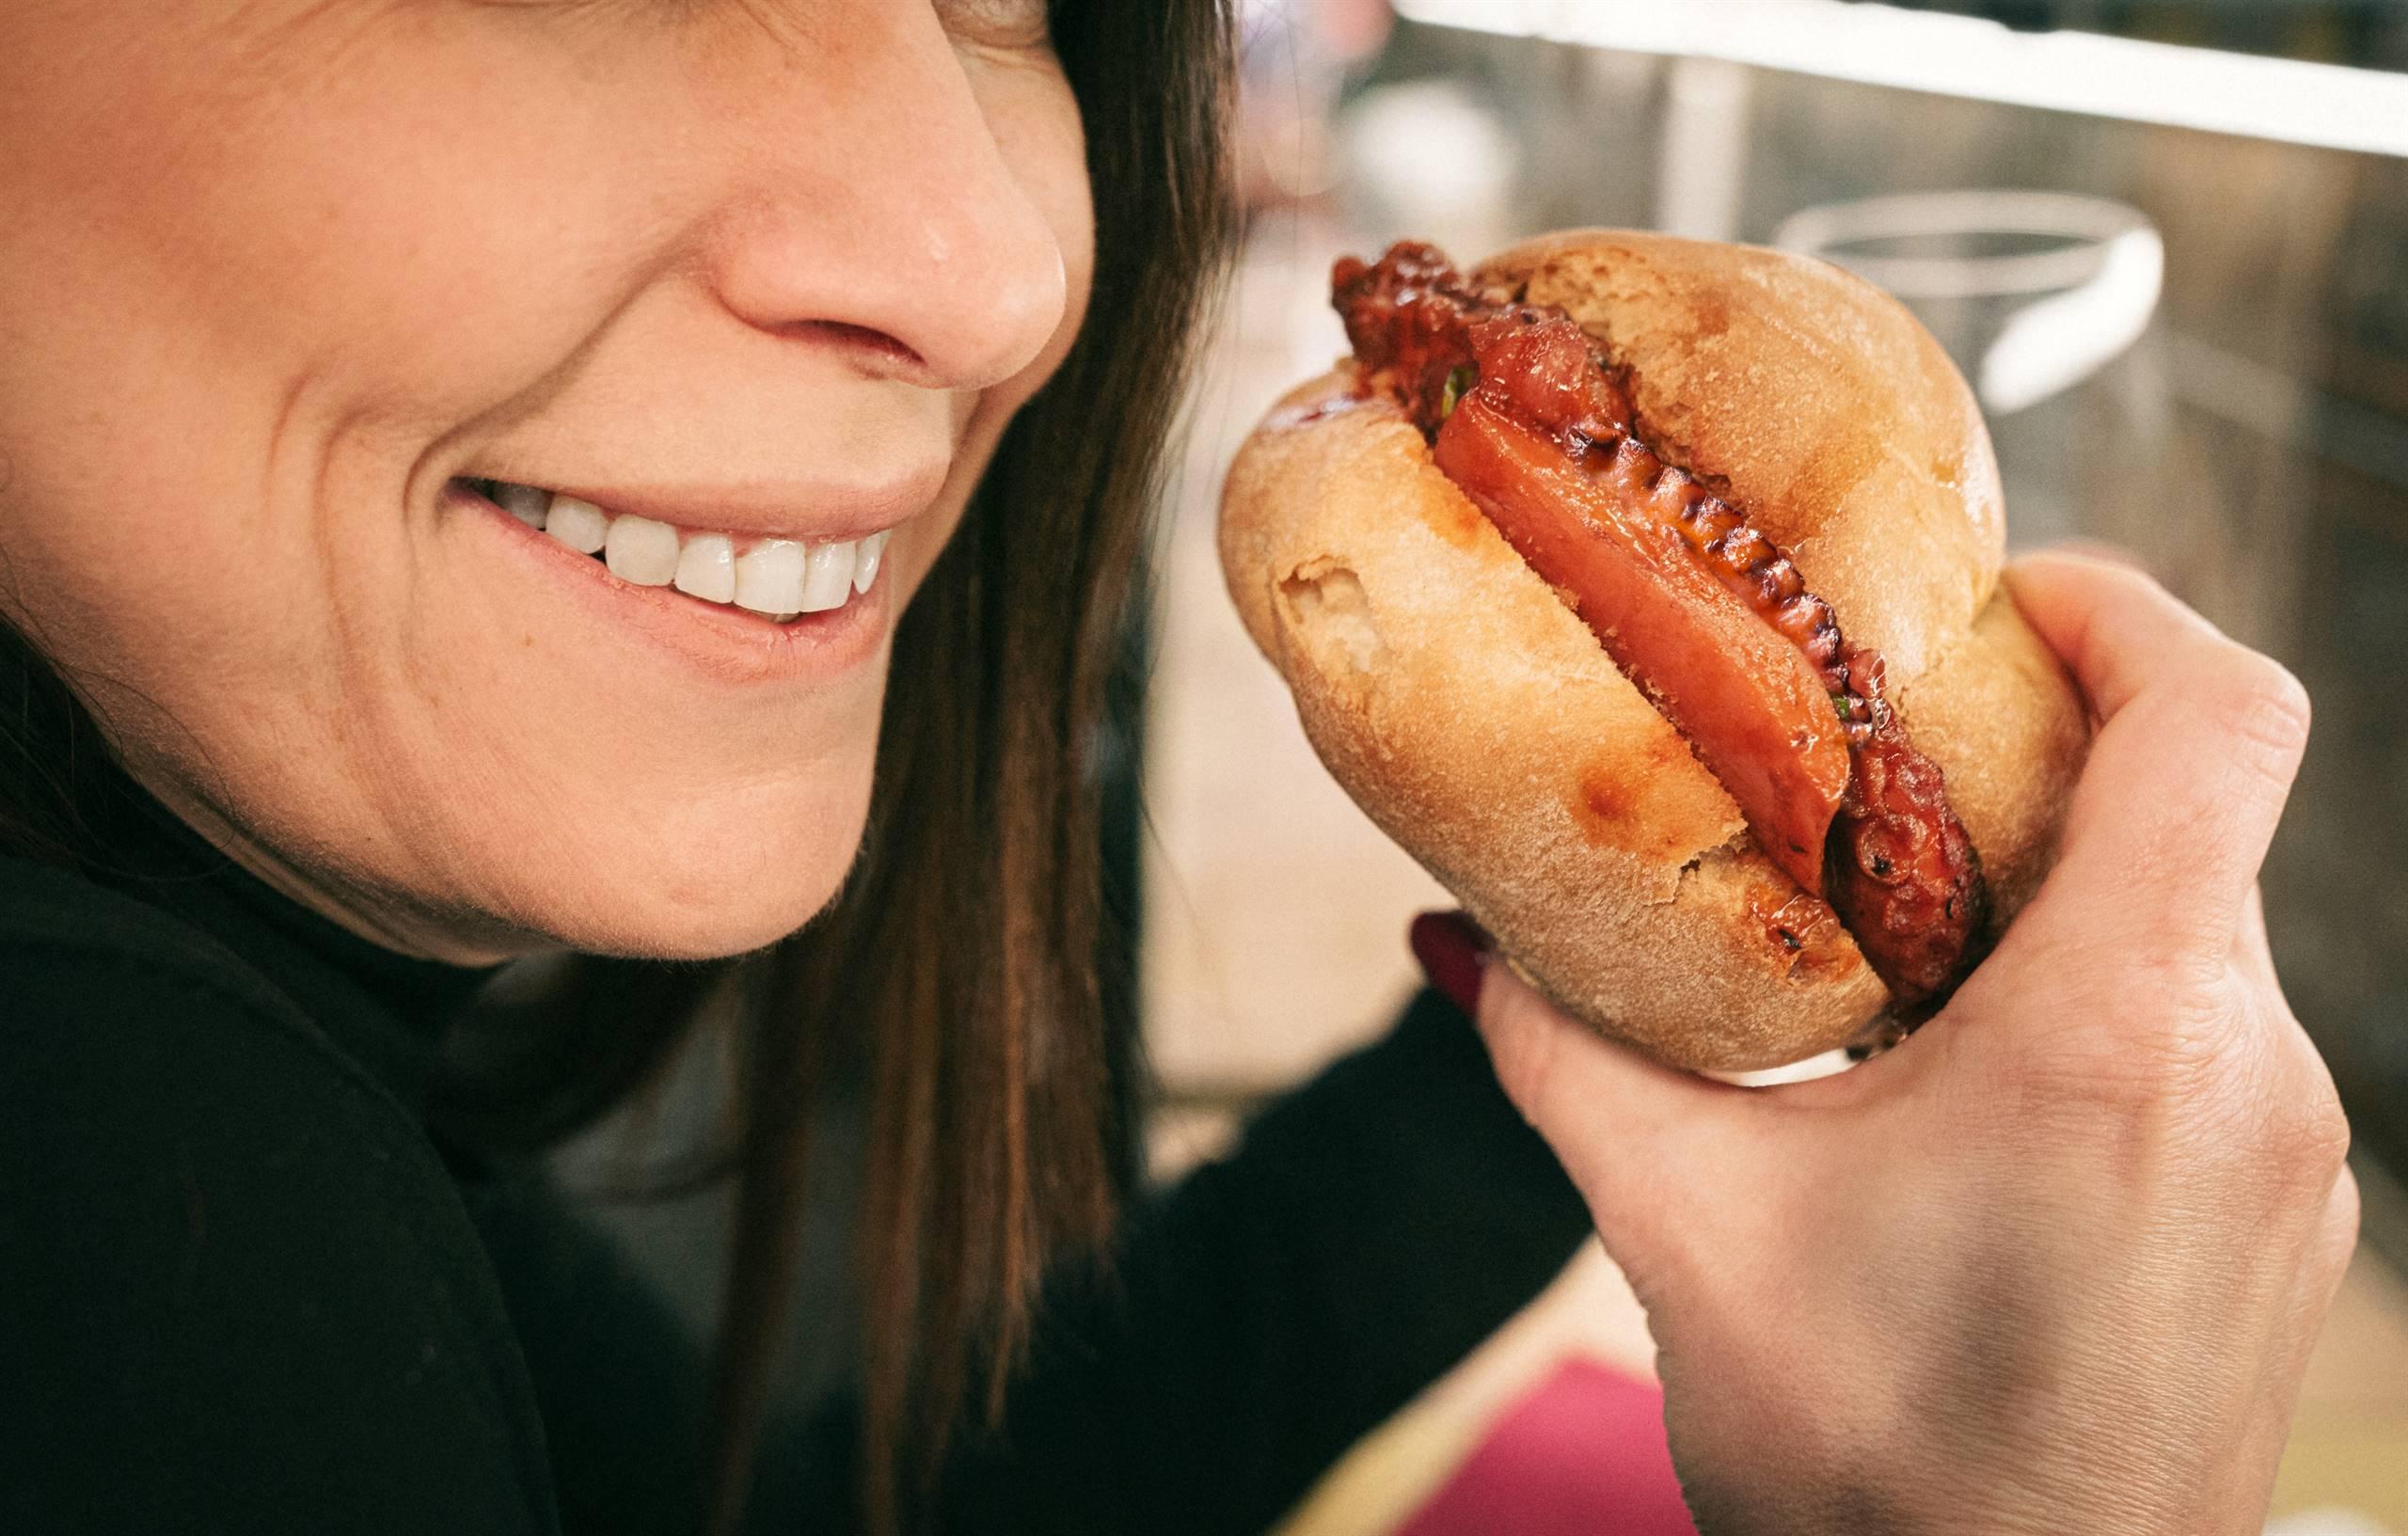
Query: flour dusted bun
[(1480, 722)]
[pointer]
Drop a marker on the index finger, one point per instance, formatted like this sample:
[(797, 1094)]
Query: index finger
[(2200, 739)]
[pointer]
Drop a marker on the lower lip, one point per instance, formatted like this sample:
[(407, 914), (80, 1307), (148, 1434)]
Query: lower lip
[(727, 644)]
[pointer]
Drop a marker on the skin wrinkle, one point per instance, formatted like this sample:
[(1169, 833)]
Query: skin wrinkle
[(795, 34), (276, 29), (206, 796), (522, 408)]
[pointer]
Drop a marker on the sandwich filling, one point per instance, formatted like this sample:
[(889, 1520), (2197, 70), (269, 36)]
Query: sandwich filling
[(1526, 413)]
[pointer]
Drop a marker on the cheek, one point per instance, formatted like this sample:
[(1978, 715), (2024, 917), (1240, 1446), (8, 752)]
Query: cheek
[(217, 190), (226, 345)]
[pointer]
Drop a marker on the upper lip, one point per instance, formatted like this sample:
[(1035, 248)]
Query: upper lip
[(786, 509)]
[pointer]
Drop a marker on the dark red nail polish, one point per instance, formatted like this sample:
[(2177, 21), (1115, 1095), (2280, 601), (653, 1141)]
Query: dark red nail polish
[(1449, 947)]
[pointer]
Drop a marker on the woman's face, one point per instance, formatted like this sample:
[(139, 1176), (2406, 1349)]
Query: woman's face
[(293, 292)]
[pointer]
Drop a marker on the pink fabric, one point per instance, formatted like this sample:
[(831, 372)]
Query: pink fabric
[(1580, 1454)]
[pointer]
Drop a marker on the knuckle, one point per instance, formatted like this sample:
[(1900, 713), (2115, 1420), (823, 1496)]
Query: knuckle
[(2304, 1152), (2260, 703), (2217, 1078), (2306, 1134), (2276, 1112)]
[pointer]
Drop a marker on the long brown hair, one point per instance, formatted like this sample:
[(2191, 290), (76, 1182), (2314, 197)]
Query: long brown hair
[(957, 968)]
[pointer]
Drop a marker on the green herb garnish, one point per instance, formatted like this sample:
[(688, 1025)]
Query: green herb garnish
[(1459, 383)]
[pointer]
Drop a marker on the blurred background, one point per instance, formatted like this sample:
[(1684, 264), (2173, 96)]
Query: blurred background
[(2169, 244)]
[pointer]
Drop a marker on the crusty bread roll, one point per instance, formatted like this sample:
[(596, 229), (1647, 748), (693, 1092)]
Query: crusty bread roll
[(1480, 722)]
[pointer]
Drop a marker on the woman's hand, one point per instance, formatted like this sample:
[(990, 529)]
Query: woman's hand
[(2055, 1264)]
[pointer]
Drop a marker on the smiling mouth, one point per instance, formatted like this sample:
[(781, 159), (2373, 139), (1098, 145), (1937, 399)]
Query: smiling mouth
[(779, 578)]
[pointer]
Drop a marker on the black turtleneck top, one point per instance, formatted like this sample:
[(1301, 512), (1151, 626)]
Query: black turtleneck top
[(243, 1289)]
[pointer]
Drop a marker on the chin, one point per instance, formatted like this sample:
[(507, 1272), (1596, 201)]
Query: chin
[(728, 888)]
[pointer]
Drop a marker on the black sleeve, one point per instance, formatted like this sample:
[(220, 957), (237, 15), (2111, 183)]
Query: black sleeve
[(1371, 1229), (621, 1382), (238, 1291)]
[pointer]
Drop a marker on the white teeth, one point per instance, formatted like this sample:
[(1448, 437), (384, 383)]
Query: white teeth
[(873, 549), (827, 579), (707, 569), (781, 578), (640, 550), (769, 578), (524, 502), (580, 525)]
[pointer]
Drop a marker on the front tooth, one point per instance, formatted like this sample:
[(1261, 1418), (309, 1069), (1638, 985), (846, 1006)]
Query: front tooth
[(641, 551), (707, 569), (769, 578), (866, 563), (524, 502), (580, 525), (829, 577)]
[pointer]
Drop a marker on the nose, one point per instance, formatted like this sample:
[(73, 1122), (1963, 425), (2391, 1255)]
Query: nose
[(880, 218)]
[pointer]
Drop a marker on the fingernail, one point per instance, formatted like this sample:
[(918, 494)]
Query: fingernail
[(1451, 949)]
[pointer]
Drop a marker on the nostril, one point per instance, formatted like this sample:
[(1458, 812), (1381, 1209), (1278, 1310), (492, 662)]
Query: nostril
[(877, 348)]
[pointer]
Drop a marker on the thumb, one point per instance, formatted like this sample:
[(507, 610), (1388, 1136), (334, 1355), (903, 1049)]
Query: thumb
[(1647, 1145)]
